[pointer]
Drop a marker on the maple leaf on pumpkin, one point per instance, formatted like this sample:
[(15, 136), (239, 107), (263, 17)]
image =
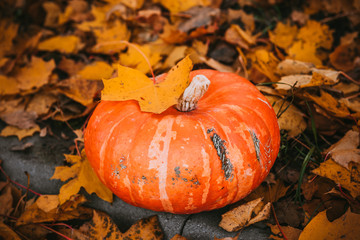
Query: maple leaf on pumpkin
[(153, 97)]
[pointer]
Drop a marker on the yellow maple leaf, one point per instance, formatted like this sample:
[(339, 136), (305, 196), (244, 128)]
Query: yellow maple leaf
[(8, 32), (81, 175), (341, 175), (63, 44), (319, 34), (283, 34), (134, 59), (133, 4), (265, 62), (176, 6), (8, 85), (35, 74), (132, 84), (20, 133), (304, 51), (345, 227), (96, 71)]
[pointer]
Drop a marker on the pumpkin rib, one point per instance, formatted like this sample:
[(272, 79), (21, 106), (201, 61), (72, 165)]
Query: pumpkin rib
[(225, 137)]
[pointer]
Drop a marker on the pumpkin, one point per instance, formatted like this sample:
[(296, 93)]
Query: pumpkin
[(186, 162)]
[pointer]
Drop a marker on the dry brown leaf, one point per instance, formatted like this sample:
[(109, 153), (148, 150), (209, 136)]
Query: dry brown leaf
[(242, 216), (41, 103), (348, 179), (20, 133), (293, 67), (347, 88), (103, 227), (345, 227), (352, 104), (291, 233), (53, 11), (7, 233), (292, 120), (350, 141), (67, 211), (48, 203), (81, 175), (6, 200)]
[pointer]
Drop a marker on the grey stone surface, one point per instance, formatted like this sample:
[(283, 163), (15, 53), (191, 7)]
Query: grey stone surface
[(46, 153)]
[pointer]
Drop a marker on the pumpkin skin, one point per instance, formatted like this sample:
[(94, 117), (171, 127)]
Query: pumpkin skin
[(186, 162)]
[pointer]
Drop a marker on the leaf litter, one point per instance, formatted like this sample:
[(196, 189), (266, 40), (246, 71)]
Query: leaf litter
[(302, 58)]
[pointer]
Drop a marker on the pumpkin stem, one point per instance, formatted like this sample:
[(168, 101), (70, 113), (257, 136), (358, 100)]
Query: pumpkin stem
[(192, 94)]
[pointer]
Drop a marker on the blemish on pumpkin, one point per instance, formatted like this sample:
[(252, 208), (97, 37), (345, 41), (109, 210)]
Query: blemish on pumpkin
[(256, 142), (177, 171), (219, 145)]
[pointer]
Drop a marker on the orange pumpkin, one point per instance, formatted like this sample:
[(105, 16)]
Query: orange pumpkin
[(186, 162)]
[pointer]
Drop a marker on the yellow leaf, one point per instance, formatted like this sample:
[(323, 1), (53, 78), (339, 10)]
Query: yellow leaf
[(68, 211), (63, 44), (20, 133), (109, 37), (345, 227), (176, 6), (242, 216), (174, 56), (292, 120), (8, 32), (103, 227), (82, 175), (265, 62), (8, 85), (319, 34), (96, 71), (134, 85), (304, 51), (339, 174), (283, 34), (35, 74), (329, 103), (133, 4), (47, 202), (134, 59)]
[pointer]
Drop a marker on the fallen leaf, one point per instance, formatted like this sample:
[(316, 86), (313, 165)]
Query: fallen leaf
[(9, 30), (304, 51), (103, 227), (178, 53), (345, 227), (53, 11), (96, 71), (291, 233), (178, 237), (133, 84), (67, 211), (7, 233), (134, 59), (340, 175), (347, 88), (352, 104), (6, 200), (48, 203), (41, 103), (350, 141), (8, 85), (64, 44), (197, 50), (269, 192), (177, 6), (283, 34), (265, 62), (292, 119), (329, 103), (80, 174), (293, 67), (241, 216), (35, 74), (20, 133), (22, 146), (133, 4)]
